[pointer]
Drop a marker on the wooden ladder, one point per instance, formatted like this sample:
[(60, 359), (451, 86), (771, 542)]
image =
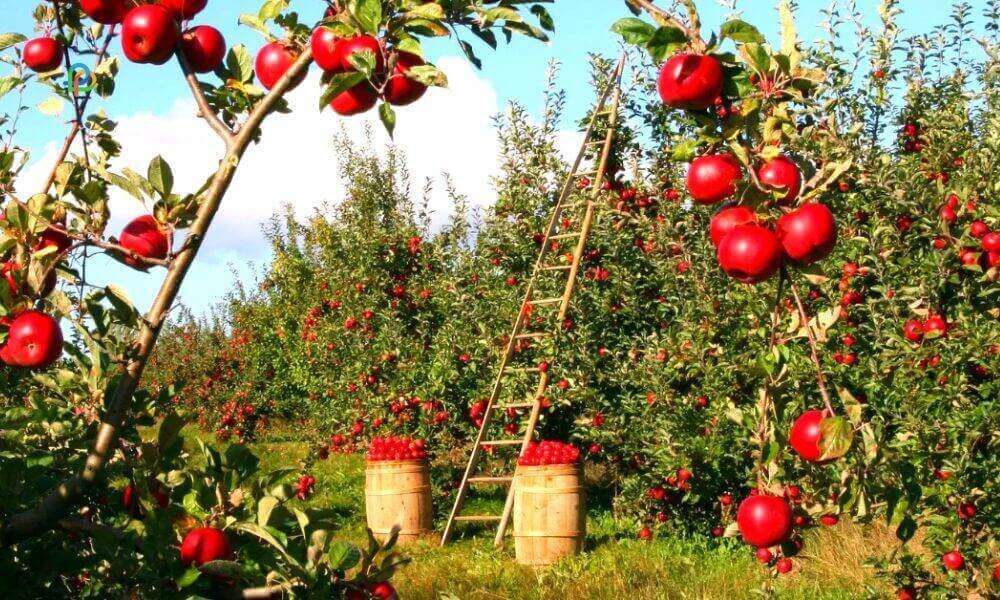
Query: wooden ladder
[(607, 108)]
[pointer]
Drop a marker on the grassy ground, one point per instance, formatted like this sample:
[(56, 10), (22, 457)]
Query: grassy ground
[(615, 566)]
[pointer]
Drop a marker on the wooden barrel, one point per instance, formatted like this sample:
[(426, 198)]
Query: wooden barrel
[(398, 492), (550, 513)]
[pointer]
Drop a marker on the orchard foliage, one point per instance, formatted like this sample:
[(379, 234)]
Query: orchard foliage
[(680, 382), (102, 496)]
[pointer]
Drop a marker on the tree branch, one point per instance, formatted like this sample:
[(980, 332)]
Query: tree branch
[(204, 110), (55, 505), (663, 17)]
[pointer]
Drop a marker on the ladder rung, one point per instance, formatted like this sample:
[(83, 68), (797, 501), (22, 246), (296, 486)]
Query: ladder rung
[(490, 480), (478, 518), (501, 442), (532, 336), (557, 268), (545, 301), (597, 141), (601, 113), (563, 236), (516, 405), (573, 205)]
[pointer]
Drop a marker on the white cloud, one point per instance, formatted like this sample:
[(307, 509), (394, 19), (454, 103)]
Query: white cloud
[(448, 130)]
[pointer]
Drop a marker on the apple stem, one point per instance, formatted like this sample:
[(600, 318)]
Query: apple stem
[(820, 378)]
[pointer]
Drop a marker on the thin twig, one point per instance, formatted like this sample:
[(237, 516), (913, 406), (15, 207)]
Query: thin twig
[(820, 379), (204, 110)]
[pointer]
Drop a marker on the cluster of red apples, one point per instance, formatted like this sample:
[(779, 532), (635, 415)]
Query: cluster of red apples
[(396, 448), (747, 249), (549, 452)]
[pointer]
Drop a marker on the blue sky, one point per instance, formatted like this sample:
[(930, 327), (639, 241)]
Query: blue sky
[(154, 100)]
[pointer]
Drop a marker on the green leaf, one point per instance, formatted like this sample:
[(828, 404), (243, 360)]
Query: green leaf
[(160, 176), (757, 57), (684, 151), (665, 41), (343, 556), (429, 10), (192, 506), (188, 577), (388, 117), (544, 18), (170, 428), (428, 75), (224, 568), (51, 106), (741, 31), (10, 39), (8, 83), (634, 31), (836, 436), (254, 22), (339, 84), (368, 14), (239, 63), (123, 307), (363, 61), (265, 508)]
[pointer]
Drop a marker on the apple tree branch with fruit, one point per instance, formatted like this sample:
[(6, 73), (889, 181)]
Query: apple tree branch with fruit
[(370, 53)]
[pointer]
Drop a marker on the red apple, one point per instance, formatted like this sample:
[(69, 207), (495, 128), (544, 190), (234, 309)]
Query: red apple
[(913, 330), (108, 12), (183, 9), (348, 46), (43, 54), (764, 520), (750, 253), (727, 219), (149, 34), (712, 178), (54, 238), (34, 341), (690, 81), (907, 592), (145, 237), (400, 89), (764, 555), (784, 565), (204, 48), (991, 241), (805, 435), (10, 267), (324, 48), (203, 545), (355, 100), (935, 324), (978, 229), (953, 561), (782, 173), (808, 233), (273, 60)]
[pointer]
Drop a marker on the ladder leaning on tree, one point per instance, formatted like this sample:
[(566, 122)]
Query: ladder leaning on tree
[(607, 108)]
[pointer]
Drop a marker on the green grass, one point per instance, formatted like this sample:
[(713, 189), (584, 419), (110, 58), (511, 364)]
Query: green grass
[(615, 566)]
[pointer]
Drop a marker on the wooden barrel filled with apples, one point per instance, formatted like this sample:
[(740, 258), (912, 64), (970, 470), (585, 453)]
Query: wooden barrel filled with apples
[(398, 488), (550, 511)]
